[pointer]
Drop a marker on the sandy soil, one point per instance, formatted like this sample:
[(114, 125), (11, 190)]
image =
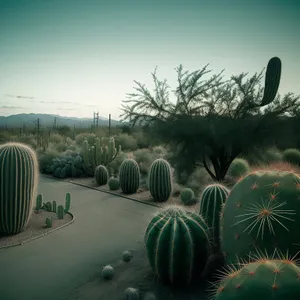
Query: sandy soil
[(141, 195), (36, 227), (137, 274)]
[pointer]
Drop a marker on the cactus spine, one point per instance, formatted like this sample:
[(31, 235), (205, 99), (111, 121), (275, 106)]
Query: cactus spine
[(262, 279), (129, 176), (177, 244), (60, 212), (160, 180), (68, 202), (18, 186), (101, 175), (99, 154), (262, 212), (212, 199)]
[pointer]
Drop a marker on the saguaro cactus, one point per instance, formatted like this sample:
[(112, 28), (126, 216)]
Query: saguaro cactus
[(18, 186), (98, 154)]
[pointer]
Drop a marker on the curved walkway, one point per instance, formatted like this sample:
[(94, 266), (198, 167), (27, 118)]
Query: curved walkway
[(50, 267)]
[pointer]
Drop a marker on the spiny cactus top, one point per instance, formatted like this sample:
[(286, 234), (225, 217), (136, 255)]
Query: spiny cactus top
[(262, 279), (18, 186), (177, 244), (262, 211)]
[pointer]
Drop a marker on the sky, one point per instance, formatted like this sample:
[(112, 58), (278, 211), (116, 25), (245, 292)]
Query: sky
[(74, 57)]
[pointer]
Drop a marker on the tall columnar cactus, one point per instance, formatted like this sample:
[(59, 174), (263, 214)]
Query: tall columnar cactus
[(129, 176), (272, 80), (262, 279), (54, 206), (98, 154), (212, 199), (39, 202), (60, 212), (177, 244), (262, 212), (18, 186), (160, 180), (48, 206), (67, 202), (101, 175)]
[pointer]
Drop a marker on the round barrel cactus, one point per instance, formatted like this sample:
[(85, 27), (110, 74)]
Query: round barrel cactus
[(292, 156), (211, 203), (239, 167), (177, 244), (262, 212), (262, 279), (160, 180), (129, 176), (187, 196), (101, 175), (18, 186), (113, 183)]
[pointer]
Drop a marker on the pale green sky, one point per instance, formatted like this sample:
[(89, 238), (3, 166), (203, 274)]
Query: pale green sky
[(71, 57)]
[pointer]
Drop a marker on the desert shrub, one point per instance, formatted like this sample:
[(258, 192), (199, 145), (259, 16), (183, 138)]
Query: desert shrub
[(56, 138), (127, 142), (160, 150), (176, 189), (29, 140), (142, 139), (263, 156), (291, 156), (61, 147), (46, 160), (69, 142), (239, 167), (114, 166), (90, 137), (198, 180), (5, 137)]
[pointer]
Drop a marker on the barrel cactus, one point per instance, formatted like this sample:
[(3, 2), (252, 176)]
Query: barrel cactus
[(187, 196), (101, 175), (262, 279), (238, 168), (129, 176), (113, 183), (211, 203), (132, 294), (108, 272), (160, 180), (177, 244), (292, 156), (262, 212), (18, 186)]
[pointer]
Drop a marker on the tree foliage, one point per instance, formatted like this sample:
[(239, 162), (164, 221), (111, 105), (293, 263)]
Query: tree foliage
[(212, 120)]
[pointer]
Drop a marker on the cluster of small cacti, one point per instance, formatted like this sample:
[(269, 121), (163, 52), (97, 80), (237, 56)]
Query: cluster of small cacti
[(98, 154), (67, 166)]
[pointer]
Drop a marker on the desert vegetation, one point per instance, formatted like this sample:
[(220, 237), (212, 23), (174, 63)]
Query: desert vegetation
[(226, 153)]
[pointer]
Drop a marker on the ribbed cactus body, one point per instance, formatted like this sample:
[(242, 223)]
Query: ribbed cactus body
[(60, 212), (177, 244), (54, 206), (263, 279), (272, 80), (101, 175), (262, 211), (18, 186), (39, 202), (67, 202), (129, 176), (113, 183), (187, 196), (211, 203), (160, 180)]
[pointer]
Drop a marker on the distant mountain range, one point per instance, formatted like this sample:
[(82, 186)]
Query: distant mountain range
[(46, 120)]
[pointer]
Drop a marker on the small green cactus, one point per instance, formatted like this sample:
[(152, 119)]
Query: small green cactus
[(187, 196), (292, 156), (113, 183), (262, 279), (177, 244), (48, 206), (238, 168), (101, 175), (49, 222), (54, 206), (127, 256), (108, 272), (60, 212), (132, 294), (68, 202), (129, 176), (39, 202)]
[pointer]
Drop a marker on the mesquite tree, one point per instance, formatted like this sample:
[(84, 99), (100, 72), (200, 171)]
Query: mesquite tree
[(212, 121)]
